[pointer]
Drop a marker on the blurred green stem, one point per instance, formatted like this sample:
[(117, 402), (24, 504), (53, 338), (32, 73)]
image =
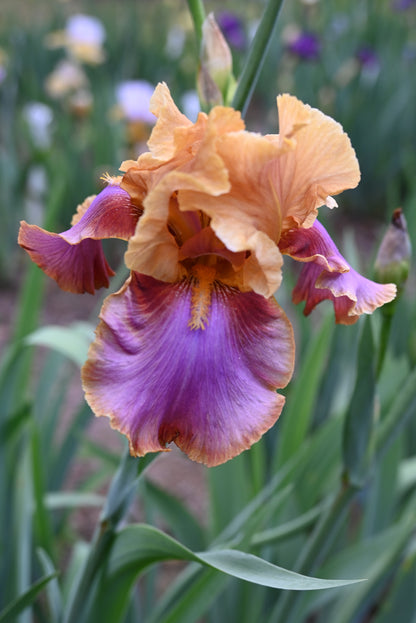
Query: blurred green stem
[(256, 56), (115, 508), (196, 8), (384, 338), (402, 409)]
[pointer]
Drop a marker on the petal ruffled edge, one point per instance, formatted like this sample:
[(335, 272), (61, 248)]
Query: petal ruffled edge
[(317, 161), (210, 390), (74, 258)]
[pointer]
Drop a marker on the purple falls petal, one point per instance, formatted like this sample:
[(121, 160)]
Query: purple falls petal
[(75, 258), (210, 390), (327, 275)]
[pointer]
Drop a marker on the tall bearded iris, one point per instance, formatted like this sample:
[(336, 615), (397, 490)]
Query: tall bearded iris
[(194, 346)]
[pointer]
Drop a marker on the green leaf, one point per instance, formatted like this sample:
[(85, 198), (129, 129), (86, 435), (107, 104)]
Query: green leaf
[(182, 523), (253, 569), (288, 529), (190, 596), (138, 546), (407, 474), (65, 452), (400, 606), (229, 492), (360, 415), (23, 535), (295, 421), (10, 612), (72, 341), (53, 591), (41, 518), (72, 499), (375, 558), (117, 502), (11, 427)]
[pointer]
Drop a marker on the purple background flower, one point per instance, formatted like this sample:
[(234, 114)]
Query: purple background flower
[(232, 28), (306, 45), (367, 56)]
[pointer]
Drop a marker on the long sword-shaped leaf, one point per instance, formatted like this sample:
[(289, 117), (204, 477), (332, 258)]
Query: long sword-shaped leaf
[(138, 546), (10, 612)]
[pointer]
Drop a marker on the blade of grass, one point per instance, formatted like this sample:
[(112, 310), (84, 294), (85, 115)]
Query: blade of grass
[(19, 605)]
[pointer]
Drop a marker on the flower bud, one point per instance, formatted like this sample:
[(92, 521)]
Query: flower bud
[(393, 257), (215, 74)]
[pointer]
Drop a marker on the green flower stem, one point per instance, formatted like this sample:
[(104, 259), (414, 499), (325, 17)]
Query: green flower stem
[(197, 10), (115, 508), (256, 56), (386, 323)]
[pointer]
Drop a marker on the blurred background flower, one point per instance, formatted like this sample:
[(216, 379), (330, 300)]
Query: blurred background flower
[(3, 65), (133, 101), (403, 5), (67, 77), (190, 104), (132, 108), (305, 45), (38, 118), (83, 39), (233, 29)]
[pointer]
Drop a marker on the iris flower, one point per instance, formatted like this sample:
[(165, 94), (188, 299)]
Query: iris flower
[(194, 346)]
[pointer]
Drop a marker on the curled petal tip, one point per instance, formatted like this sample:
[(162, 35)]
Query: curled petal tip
[(327, 275), (75, 258), (76, 268)]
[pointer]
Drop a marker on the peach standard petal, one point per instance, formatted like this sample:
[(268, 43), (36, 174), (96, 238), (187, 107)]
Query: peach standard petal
[(317, 161), (154, 249), (247, 217)]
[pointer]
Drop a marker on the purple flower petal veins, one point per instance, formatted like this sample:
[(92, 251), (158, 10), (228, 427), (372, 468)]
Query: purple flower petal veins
[(210, 390)]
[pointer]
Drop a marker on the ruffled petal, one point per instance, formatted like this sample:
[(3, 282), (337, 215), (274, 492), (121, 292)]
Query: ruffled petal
[(320, 279), (153, 249), (210, 390), (317, 161), (75, 258), (247, 217), (162, 139)]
